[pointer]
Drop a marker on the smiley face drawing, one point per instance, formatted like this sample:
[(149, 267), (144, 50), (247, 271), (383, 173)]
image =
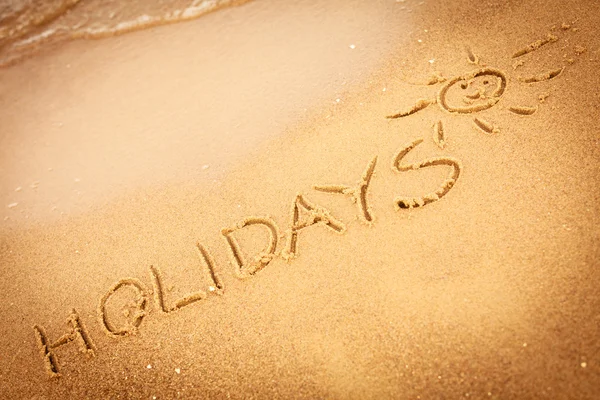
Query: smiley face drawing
[(472, 92), (478, 90)]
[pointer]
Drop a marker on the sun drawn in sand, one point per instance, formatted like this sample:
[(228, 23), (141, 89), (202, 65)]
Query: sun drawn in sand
[(479, 90)]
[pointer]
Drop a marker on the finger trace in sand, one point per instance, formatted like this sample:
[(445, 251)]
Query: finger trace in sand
[(439, 135), (141, 303), (77, 331), (472, 58), (490, 101), (358, 193), (517, 64), (414, 202), (419, 105), (402, 153), (245, 270), (486, 126), (522, 110), (545, 76), (433, 79), (341, 189), (210, 264), (535, 45), (159, 295), (543, 96), (316, 215), (579, 50)]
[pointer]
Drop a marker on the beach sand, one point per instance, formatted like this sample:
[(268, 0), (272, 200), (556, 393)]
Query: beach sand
[(140, 171)]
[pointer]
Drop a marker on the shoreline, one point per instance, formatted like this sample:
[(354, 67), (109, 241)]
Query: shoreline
[(73, 20)]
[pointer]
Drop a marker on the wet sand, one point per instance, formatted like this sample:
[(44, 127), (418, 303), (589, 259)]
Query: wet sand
[(147, 144), (26, 26)]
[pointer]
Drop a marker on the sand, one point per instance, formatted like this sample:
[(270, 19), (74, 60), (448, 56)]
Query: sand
[(223, 208)]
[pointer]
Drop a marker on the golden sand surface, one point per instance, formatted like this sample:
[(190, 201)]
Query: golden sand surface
[(391, 199)]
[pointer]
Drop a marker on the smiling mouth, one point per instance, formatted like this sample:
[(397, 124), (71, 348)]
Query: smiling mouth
[(478, 94)]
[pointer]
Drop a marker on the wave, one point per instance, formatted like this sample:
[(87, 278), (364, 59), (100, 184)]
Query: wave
[(26, 26)]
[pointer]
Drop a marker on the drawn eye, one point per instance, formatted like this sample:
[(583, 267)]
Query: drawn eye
[(463, 85)]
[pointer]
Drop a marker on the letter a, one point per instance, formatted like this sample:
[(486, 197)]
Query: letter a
[(316, 215)]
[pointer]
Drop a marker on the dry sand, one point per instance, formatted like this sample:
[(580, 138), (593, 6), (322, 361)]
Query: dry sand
[(130, 151)]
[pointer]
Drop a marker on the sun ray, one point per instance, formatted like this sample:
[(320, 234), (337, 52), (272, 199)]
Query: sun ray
[(435, 78), (535, 45), (486, 126), (522, 110), (340, 189), (419, 105), (544, 76), (439, 134), (472, 58)]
